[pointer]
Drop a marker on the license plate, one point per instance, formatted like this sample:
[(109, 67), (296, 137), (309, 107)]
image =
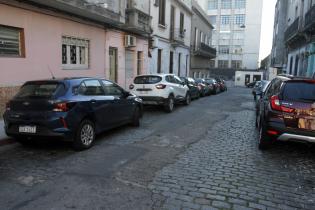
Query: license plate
[(27, 129)]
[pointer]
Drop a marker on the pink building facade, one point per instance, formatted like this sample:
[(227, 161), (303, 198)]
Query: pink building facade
[(49, 43)]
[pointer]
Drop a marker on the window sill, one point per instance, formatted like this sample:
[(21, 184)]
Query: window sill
[(162, 26), (12, 56), (75, 67)]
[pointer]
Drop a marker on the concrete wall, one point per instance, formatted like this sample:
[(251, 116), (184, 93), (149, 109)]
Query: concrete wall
[(241, 75)]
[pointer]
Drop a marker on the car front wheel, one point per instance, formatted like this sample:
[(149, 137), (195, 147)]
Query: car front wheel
[(187, 99), (169, 105), (85, 135), (136, 118)]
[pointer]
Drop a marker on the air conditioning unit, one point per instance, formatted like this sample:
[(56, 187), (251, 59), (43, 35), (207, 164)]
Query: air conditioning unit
[(153, 43), (130, 41)]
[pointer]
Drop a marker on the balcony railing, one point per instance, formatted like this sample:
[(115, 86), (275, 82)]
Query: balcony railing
[(292, 30), (178, 36), (138, 21), (310, 19), (205, 51)]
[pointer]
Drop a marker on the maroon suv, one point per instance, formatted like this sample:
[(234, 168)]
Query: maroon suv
[(286, 111)]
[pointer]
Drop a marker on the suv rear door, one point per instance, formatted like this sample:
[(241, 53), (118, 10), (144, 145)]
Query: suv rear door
[(144, 85), (299, 98)]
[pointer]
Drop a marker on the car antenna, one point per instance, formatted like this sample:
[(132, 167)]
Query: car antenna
[(52, 75)]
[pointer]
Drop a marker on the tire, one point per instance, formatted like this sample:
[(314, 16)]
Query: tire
[(264, 141), (169, 105), (136, 117), (187, 99), (85, 136)]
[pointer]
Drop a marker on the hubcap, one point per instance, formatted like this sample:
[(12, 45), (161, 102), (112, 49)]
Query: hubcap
[(87, 134)]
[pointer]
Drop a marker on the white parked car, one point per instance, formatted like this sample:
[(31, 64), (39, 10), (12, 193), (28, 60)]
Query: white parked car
[(161, 89)]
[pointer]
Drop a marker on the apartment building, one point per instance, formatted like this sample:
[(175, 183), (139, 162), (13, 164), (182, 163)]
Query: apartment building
[(72, 38), (170, 41), (236, 34), (299, 37), (201, 39), (279, 51)]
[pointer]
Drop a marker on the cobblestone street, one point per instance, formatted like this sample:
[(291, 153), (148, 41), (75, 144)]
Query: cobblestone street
[(203, 156), (225, 170)]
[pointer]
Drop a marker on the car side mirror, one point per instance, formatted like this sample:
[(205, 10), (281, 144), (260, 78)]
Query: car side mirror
[(126, 93)]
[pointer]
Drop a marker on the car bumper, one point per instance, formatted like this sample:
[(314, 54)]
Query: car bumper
[(291, 134), (49, 128), (153, 100)]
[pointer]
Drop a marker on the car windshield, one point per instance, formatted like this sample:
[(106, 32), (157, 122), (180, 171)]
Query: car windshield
[(147, 79), (39, 90), (299, 91)]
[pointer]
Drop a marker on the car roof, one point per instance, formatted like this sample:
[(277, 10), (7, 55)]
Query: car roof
[(161, 75)]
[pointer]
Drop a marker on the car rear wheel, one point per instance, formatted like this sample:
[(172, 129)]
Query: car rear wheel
[(85, 135), (169, 106), (136, 118), (187, 99), (264, 141)]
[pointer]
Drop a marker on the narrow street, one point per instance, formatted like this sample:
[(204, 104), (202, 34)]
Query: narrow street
[(202, 156)]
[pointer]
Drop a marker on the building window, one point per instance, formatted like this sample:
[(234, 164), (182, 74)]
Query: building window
[(236, 64), (213, 20), (196, 39), (159, 64), (223, 64), (212, 4), (237, 49), (240, 4), (11, 41), (75, 53), (226, 4), (162, 12), (225, 19), (239, 20), (201, 36), (212, 63), (181, 24), (224, 49), (139, 62)]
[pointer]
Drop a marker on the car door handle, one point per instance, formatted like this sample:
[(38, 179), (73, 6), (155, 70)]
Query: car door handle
[(93, 101)]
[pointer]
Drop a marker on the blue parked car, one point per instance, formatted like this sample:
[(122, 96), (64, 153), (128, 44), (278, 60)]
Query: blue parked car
[(74, 109)]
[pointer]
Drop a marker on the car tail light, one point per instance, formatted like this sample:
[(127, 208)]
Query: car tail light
[(276, 105), (7, 106), (131, 86), (61, 107), (160, 86), (271, 132)]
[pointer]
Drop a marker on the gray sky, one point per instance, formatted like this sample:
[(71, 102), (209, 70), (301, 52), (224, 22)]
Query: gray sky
[(267, 28)]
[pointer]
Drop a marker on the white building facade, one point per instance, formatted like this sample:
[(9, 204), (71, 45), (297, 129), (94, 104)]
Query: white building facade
[(170, 43), (237, 31)]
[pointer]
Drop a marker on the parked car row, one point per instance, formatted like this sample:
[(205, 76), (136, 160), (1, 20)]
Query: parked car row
[(77, 109), (286, 111), (167, 89)]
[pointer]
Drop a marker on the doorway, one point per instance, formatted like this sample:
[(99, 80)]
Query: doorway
[(113, 64), (129, 75), (171, 62)]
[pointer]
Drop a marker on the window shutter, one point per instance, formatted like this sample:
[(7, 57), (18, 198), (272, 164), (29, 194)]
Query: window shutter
[(156, 3)]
